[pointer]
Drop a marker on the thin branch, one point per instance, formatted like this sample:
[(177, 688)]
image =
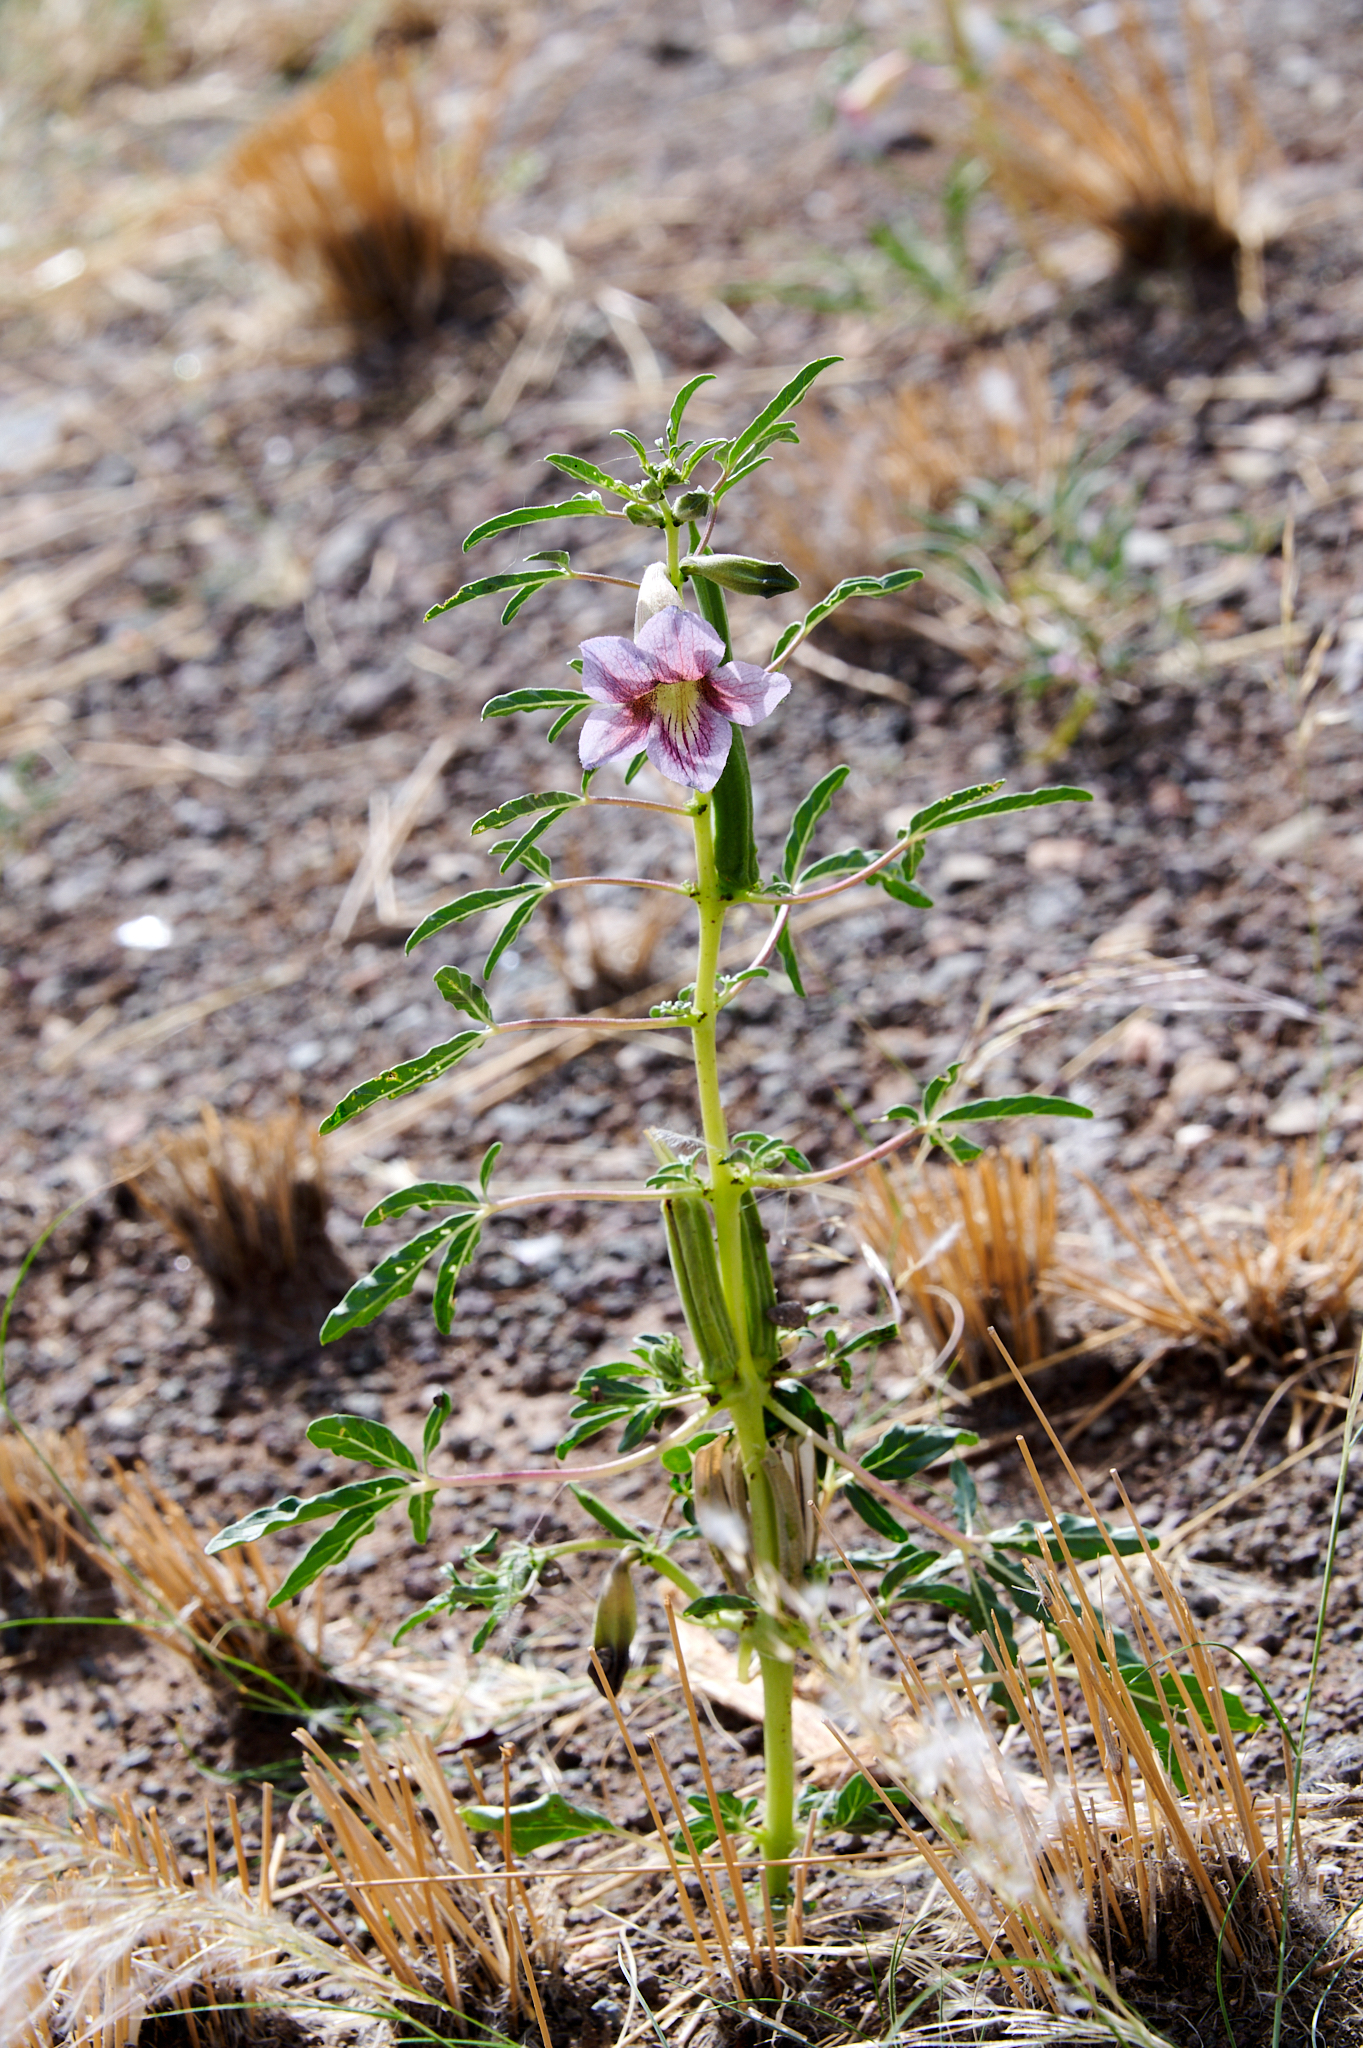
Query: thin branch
[(567, 1472), (589, 576), (848, 881), (532, 1198), (620, 882), (808, 1180), (586, 1022), (769, 945), (640, 803)]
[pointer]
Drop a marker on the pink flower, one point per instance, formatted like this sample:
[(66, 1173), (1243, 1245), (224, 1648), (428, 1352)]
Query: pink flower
[(670, 692)]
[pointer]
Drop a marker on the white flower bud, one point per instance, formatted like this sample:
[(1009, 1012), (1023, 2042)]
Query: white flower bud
[(656, 592)]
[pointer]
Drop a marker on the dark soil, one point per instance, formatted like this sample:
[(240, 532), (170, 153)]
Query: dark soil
[(241, 516)]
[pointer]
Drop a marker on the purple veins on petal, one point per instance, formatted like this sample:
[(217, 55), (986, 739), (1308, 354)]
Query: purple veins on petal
[(670, 691), (616, 670), (744, 693), (610, 730), (689, 741), (682, 647)]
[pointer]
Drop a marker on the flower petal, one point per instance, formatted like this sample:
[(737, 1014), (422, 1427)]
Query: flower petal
[(745, 693), (615, 670), (689, 740), (614, 729), (681, 646)]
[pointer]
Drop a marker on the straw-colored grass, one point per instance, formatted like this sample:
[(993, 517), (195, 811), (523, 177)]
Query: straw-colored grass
[(1273, 1293), (981, 1236), (345, 190), (247, 1201), (1145, 1881), (103, 1932), (47, 1568)]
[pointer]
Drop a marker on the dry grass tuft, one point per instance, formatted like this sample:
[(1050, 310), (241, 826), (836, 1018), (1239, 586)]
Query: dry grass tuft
[(248, 1203), (982, 1236), (1278, 1288), (215, 1611), (1099, 132), (448, 1927), (103, 1934), (345, 190)]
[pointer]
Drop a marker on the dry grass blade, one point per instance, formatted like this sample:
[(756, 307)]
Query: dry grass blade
[(345, 190), (983, 1234), (1101, 133), (248, 1202)]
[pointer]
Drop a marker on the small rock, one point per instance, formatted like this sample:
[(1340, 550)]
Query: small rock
[(369, 696), (1296, 1117), (1201, 1076)]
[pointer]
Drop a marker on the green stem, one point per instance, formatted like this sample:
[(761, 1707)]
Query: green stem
[(746, 1397)]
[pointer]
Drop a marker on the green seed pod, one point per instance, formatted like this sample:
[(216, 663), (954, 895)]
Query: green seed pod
[(617, 1616), (651, 490), (644, 515), (691, 505), (747, 574), (695, 1267), (759, 1289), (736, 869)]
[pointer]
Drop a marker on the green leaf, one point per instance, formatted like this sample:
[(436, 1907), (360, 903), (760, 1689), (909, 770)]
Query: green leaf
[(405, 1078), (607, 1517), (523, 807), (624, 434), (508, 851), (551, 1818), (902, 891), (850, 587), (711, 1604), (785, 950), (845, 863), (390, 1280), (639, 761), (424, 1194), (874, 1513), (463, 1244), (1084, 1537), (1011, 1105), (859, 1807), (354, 1436), (534, 700), (490, 1158), (588, 473), (937, 1088), (786, 398), (337, 1543), (462, 992), (1025, 800), (525, 580), (807, 816), (435, 1423), (966, 1496), (467, 906), (680, 403), (420, 1509), (878, 1335), (586, 503), (290, 1511), (519, 917), (902, 1451), (945, 806)]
